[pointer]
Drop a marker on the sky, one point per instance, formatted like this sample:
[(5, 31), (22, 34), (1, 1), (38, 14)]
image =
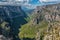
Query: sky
[(31, 4), (35, 3)]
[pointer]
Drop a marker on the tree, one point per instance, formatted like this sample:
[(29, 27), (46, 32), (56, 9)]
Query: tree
[(5, 29), (30, 31)]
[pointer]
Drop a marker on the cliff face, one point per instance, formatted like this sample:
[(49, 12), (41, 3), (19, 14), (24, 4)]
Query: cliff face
[(48, 12), (53, 33), (51, 14)]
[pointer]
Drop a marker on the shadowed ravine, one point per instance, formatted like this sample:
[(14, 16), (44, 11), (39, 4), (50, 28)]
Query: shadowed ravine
[(15, 16)]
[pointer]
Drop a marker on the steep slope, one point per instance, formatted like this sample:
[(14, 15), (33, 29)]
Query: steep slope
[(40, 20), (15, 16)]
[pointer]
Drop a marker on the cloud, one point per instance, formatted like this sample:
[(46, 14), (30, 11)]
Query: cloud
[(31, 4), (19, 0), (48, 0), (22, 0)]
